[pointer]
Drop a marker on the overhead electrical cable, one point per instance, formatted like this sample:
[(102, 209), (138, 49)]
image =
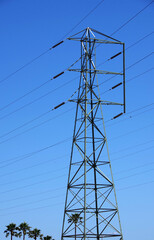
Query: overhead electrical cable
[(49, 198), (63, 141), (17, 128), (57, 204), (151, 69), (138, 41), (33, 209), (34, 176), (130, 154), (35, 126), (133, 17), (63, 168), (46, 94), (23, 96), (139, 60), (32, 202), (130, 46), (56, 76), (54, 46), (36, 152), (130, 66), (140, 144), (20, 108), (135, 130), (84, 18), (39, 182), (33, 194), (18, 99), (135, 174), (48, 120), (51, 190), (32, 166), (136, 185), (138, 166), (32, 184)]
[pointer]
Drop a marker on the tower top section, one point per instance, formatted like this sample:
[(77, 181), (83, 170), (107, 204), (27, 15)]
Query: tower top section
[(90, 33)]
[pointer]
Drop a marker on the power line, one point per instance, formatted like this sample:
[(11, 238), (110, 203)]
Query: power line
[(65, 140), (33, 209), (18, 99), (139, 60), (141, 39), (57, 204), (84, 18), (141, 74), (26, 123), (48, 120), (136, 130), (25, 155), (133, 17), (36, 126), (34, 89), (34, 176), (32, 202), (139, 166), (51, 190), (127, 118), (3, 117), (130, 154), (26, 105), (38, 175), (7, 133), (130, 66), (151, 69), (121, 150), (134, 186), (51, 48), (34, 165), (135, 174), (33, 195), (54, 47), (36, 152), (133, 44), (24, 66), (32, 184), (49, 198)]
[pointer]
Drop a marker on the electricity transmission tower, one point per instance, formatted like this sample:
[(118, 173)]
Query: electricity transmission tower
[(90, 189)]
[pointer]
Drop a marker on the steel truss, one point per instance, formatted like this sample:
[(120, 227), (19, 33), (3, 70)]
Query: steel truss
[(90, 189)]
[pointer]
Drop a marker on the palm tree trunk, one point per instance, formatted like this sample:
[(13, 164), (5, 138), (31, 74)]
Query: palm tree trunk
[(75, 231), (23, 236), (11, 236)]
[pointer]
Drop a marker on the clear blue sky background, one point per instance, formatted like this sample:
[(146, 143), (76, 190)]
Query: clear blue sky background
[(33, 189)]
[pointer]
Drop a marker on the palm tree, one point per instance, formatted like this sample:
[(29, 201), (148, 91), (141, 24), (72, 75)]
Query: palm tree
[(11, 229), (24, 228), (75, 218), (35, 233), (47, 238), (41, 237)]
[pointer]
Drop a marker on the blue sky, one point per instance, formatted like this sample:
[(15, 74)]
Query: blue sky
[(33, 188)]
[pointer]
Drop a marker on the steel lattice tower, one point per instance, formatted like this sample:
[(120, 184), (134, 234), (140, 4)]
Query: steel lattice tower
[(90, 189)]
